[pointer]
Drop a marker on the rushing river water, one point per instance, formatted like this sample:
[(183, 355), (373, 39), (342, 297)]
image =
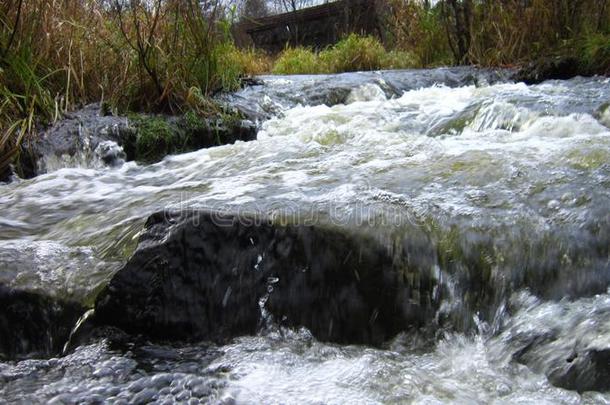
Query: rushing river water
[(522, 170)]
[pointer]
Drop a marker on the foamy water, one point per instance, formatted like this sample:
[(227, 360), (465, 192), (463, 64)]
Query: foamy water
[(515, 162)]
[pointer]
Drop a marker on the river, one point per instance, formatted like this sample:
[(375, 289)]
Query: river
[(518, 177)]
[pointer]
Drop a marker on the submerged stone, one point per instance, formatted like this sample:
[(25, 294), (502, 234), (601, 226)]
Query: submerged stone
[(588, 370), (566, 340), (571, 367), (34, 325), (204, 275)]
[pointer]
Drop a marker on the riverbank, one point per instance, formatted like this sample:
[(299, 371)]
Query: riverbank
[(91, 137), (161, 57), (94, 136), (172, 59)]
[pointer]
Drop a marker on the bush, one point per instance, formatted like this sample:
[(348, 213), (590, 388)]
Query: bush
[(251, 62), (399, 60), (298, 61), (353, 53)]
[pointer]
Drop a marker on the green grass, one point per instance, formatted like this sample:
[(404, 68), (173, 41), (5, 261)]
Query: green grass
[(298, 61), (351, 54), (154, 138), (596, 52)]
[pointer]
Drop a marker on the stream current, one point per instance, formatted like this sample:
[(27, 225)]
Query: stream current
[(462, 151)]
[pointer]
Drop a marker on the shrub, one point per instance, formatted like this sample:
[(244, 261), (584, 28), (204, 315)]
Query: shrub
[(399, 60), (596, 52), (251, 61), (353, 53), (298, 61)]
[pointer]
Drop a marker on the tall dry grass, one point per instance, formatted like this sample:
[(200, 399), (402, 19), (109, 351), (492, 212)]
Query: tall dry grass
[(499, 32), (511, 31), (416, 27)]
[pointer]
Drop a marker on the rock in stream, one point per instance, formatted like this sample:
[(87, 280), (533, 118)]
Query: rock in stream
[(206, 275)]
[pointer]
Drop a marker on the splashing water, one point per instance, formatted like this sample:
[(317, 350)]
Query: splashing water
[(519, 164)]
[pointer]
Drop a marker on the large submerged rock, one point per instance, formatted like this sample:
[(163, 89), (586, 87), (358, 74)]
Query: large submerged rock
[(203, 275)]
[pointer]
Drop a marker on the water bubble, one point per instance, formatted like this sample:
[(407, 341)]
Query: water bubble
[(554, 205)]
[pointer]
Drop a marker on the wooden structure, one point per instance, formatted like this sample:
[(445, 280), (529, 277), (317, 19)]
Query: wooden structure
[(315, 27)]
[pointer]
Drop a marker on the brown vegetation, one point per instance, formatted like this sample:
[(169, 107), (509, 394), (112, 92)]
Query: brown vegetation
[(501, 32), (157, 55)]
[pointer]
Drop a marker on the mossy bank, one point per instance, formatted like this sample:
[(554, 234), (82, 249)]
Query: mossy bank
[(91, 137)]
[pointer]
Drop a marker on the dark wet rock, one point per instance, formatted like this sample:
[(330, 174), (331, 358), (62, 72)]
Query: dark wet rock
[(76, 136), (200, 275), (32, 324), (203, 275), (5, 174), (250, 81), (86, 331), (587, 370), (91, 138), (562, 340), (552, 68), (577, 369)]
